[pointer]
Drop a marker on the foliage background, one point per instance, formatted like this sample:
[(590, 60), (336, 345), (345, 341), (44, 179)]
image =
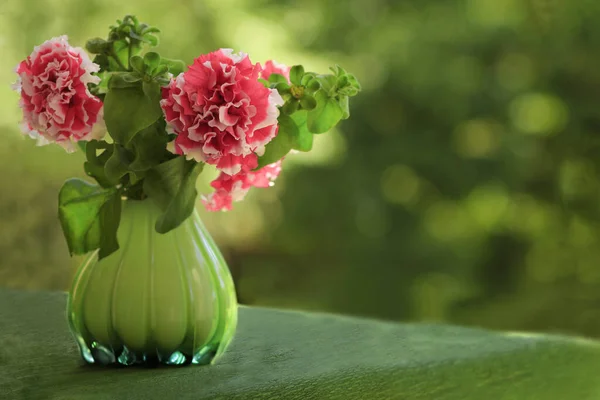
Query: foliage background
[(464, 188)]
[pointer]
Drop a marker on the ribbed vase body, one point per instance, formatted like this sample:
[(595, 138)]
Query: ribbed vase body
[(161, 298)]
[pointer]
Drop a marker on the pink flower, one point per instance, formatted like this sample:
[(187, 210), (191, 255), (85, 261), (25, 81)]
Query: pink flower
[(273, 67), (230, 188), (220, 112), (57, 106)]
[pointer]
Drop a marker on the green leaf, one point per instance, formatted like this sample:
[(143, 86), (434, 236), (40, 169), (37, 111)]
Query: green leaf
[(150, 39), (151, 90), (296, 74), (102, 87), (94, 166), (103, 61), (276, 78), (152, 61), (132, 77), (308, 102), (149, 147), (122, 80), (97, 46), (338, 71), (327, 83), (307, 78), (277, 148), (353, 81), (313, 85), (282, 87), (326, 115), (343, 81), (160, 70), (82, 144), (175, 66), (290, 106), (302, 139), (127, 111), (121, 50), (118, 164), (172, 185), (89, 216), (149, 29), (348, 91), (344, 104), (137, 63)]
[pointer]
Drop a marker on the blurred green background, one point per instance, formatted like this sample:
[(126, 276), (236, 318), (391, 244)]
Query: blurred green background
[(464, 188)]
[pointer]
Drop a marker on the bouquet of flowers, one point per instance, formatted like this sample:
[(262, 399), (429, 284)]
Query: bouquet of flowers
[(148, 125)]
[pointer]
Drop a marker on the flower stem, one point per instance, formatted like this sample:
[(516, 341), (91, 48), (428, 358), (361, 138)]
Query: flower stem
[(129, 56), (116, 58)]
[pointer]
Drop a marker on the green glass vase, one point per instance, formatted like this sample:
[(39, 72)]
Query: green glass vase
[(161, 298)]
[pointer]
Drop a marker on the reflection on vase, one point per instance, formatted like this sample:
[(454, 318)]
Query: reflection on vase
[(161, 298)]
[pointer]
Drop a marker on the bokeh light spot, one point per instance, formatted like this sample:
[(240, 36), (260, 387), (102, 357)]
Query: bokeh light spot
[(538, 114), (487, 205), (477, 138), (400, 185), (496, 13)]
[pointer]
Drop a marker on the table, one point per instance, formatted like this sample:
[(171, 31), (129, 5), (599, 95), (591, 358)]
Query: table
[(301, 356)]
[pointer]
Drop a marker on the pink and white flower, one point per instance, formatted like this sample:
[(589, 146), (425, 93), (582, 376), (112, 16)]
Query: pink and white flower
[(220, 112), (273, 67), (230, 188), (57, 105)]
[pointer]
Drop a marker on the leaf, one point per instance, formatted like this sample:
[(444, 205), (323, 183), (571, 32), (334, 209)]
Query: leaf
[(102, 87), (121, 48), (313, 84), (172, 185), (94, 166), (308, 102), (302, 140), (354, 82), (276, 78), (296, 74), (307, 78), (151, 90), (127, 111), (282, 88), (97, 46), (290, 106), (326, 115), (337, 70), (149, 147), (137, 63), (281, 144), (122, 80), (348, 91), (152, 61), (89, 216), (151, 39), (344, 104), (343, 81), (327, 83), (118, 164)]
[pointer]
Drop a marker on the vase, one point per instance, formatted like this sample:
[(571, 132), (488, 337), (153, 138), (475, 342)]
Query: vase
[(161, 298)]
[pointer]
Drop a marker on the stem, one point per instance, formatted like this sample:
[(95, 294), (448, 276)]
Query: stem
[(116, 58), (129, 55)]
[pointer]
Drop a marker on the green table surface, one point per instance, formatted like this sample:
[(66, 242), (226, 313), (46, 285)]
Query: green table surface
[(294, 355)]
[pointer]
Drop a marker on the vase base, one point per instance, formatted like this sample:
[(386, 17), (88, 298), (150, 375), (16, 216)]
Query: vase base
[(99, 354)]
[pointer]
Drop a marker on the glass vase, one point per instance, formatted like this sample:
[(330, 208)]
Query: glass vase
[(161, 298)]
